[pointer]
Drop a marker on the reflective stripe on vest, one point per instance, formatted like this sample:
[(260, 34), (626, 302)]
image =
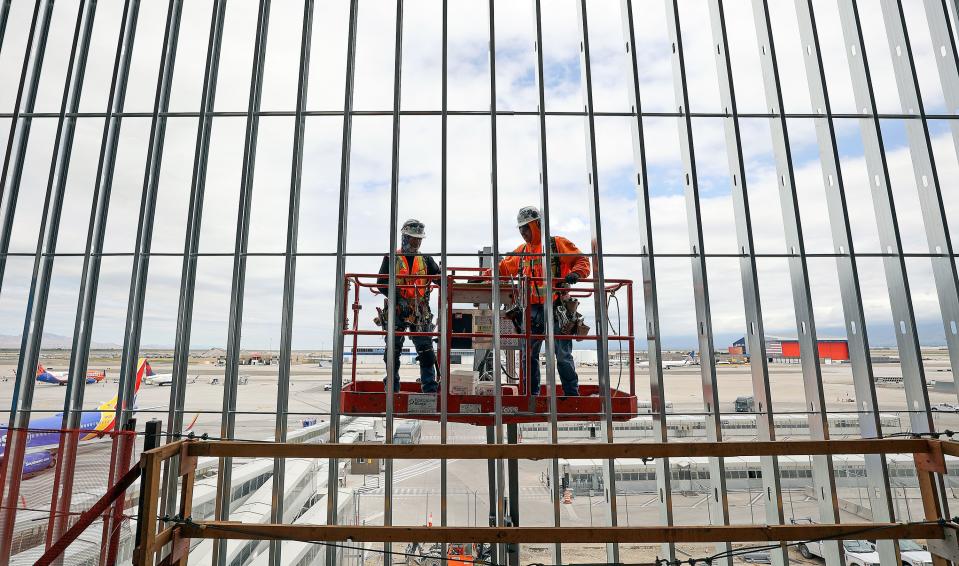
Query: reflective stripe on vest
[(533, 267), (407, 275)]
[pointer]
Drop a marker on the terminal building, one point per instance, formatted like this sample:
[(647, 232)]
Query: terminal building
[(786, 350)]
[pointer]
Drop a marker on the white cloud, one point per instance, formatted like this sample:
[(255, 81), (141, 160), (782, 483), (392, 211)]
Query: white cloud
[(468, 156)]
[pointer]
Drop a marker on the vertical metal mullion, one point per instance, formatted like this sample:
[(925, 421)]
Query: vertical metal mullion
[(19, 135), (392, 372), (719, 500), (759, 368), (883, 202), (943, 36), (277, 509), (495, 290), (877, 475), (928, 184), (4, 16), (444, 281), (548, 273), (91, 266), (648, 260), (181, 350), (339, 304), (151, 183), (49, 231), (599, 274), (231, 375), (934, 219), (86, 307), (823, 477)]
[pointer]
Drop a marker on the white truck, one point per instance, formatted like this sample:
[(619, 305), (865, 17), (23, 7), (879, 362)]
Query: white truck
[(913, 554), (857, 552)]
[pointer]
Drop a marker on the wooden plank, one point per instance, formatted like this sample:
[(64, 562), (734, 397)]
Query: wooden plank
[(180, 551), (167, 450), (549, 451), (930, 505), (674, 534), (949, 447), (150, 464)]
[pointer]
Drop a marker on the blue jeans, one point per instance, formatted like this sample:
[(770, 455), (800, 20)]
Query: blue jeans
[(564, 355), (425, 356)]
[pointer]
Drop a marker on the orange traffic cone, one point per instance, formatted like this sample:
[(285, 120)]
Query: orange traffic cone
[(567, 496), (429, 520)]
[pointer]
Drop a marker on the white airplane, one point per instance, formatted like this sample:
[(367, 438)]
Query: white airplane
[(669, 364), (161, 379)]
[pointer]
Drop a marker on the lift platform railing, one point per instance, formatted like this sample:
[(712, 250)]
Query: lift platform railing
[(939, 531), (469, 286)]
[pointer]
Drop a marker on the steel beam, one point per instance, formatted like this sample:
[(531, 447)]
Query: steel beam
[(62, 491), (91, 266), (443, 303), (648, 261), (931, 204), (289, 277), (877, 475), (339, 297), (718, 501), (946, 53), (145, 219), (191, 247), (495, 292), (19, 136), (755, 331), (599, 272), (927, 178), (547, 234), (231, 375), (824, 482), (392, 372)]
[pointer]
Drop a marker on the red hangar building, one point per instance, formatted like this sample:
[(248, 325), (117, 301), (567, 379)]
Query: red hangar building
[(786, 350)]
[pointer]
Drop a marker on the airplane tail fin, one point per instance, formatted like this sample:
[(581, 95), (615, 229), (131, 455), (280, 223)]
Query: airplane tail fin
[(143, 370), (41, 370)]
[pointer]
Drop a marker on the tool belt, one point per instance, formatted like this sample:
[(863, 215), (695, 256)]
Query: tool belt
[(569, 320), (414, 314)]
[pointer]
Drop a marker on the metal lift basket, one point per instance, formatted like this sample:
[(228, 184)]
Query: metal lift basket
[(466, 286)]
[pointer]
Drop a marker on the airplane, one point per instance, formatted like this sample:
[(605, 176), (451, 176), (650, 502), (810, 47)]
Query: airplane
[(669, 364), (43, 440), (162, 379), (46, 376)]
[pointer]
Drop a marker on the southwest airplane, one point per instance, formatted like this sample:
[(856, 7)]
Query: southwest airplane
[(46, 376), (43, 439)]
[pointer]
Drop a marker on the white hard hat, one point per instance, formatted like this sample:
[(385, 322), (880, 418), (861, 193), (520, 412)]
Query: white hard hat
[(413, 228), (526, 215)]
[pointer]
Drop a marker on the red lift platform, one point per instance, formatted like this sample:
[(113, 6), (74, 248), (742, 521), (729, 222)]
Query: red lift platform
[(468, 288)]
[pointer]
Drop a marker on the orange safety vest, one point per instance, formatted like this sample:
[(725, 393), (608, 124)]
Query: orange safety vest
[(407, 274), (533, 267)]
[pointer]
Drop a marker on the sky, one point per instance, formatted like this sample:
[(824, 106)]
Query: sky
[(470, 225)]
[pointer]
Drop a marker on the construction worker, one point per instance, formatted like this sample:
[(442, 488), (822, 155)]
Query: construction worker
[(412, 302), (567, 270)]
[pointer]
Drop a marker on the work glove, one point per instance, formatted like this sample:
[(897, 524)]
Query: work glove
[(572, 278)]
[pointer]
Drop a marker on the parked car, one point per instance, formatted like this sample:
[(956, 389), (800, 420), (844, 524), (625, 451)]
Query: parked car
[(945, 407), (913, 553), (857, 552)]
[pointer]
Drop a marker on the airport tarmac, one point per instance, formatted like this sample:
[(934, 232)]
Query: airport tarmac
[(256, 399), (416, 493)]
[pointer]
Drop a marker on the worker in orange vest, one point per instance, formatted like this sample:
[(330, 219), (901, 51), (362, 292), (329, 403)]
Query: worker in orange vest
[(567, 270), (412, 302)]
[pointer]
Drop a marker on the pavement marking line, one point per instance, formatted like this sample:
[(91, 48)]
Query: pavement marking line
[(700, 502), (650, 502)]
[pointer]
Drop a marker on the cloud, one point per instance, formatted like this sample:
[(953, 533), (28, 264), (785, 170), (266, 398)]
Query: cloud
[(468, 157)]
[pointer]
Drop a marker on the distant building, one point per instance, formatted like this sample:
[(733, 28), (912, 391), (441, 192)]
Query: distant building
[(786, 350)]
